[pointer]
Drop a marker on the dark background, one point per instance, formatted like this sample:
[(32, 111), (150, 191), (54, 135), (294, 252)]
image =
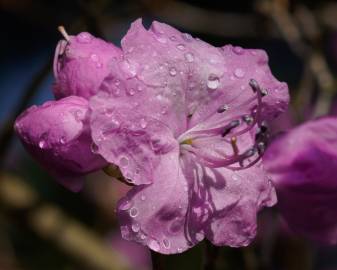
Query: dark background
[(44, 226)]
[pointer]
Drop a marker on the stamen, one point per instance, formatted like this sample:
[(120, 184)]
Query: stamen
[(235, 146), (63, 32), (248, 119), (187, 141), (229, 127)]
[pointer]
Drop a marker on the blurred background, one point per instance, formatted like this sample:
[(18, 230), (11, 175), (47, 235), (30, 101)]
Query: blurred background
[(44, 226)]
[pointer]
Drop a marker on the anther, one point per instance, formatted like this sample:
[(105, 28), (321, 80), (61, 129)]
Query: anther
[(250, 152), (234, 146), (223, 108), (254, 85), (261, 146), (229, 127), (247, 119), (64, 33)]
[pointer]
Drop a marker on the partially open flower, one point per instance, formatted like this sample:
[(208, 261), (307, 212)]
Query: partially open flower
[(57, 135), (303, 167), (80, 64)]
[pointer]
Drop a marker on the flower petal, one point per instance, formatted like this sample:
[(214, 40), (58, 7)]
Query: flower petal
[(57, 137), (236, 203), (155, 214), (129, 139), (81, 64), (303, 167)]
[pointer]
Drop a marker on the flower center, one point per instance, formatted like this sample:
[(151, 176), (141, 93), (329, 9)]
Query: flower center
[(221, 140)]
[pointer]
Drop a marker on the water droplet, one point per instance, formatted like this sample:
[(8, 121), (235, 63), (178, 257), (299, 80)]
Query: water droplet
[(42, 144), (153, 244), (143, 123), (179, 249), (84, 37), (181, 47), (62, 140), (117, 82), (94, 148), (78, 114), (173, 71), (166, 243), (199, 236), (94, 57), (135, 227), (125, 205), (238, 50), (235, 177), (123, 162), (131, 91), (189, 57), (176, 225), (161, 38), (139, 88), (187, 37), (143, 198), (133, 212), (173, 38), (213, 82), (239, 73)]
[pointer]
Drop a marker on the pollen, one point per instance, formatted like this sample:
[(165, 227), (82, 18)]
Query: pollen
[(187, 141)]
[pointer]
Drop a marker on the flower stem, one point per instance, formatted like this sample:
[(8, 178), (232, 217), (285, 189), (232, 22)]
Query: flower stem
[(211, 256), (157, 261)]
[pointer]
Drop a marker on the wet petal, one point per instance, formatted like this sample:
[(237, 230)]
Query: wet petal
[(236, 198), (302, 164), (129, 139), (81, 64), (155, 214), (57, 137)]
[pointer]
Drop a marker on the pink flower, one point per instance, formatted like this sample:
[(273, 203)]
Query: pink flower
[(80, 65), (183, 120), (57, 135), (303, 166)]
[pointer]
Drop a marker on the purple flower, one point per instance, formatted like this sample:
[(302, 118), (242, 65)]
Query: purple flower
[(183, 120), (303, 166), (81, 63), (57, 135)]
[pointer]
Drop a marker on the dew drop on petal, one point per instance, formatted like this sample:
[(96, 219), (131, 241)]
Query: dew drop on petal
[(143, 123), (42, 143), (239, 73), (143, 198), (187, 37), (235, 177), (94, 148), (135, 227), (173, 71), (181, 47), (123, 161), (238, 50), (131, 91), (62, 140), (173, 38), (166, 243), (189, 57), (84, 37), (153, 244), (213, 82), (179, 250), (125, 205), (133, 212)]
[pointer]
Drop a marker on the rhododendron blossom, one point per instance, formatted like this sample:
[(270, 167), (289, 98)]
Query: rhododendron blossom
[(303, 166), (184, 123)]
